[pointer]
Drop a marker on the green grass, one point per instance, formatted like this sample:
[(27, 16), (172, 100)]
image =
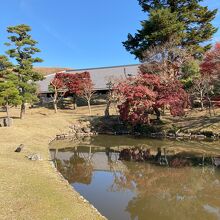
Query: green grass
[(34, 189)]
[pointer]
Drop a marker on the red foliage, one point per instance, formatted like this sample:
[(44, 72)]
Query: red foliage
[(57, 83), (173, 95), (73, 82), (211, 63), (141, 94)]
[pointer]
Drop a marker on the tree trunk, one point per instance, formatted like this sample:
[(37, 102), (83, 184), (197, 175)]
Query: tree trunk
[(201, 101), (148, 119), (7, 110), (55, 97), (157, 112), (90, 112), (74, 103), (107, 109), (210, 106), (22, 112), (55, 106)]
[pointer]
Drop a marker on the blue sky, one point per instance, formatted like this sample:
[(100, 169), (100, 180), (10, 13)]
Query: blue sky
[(80, 34)]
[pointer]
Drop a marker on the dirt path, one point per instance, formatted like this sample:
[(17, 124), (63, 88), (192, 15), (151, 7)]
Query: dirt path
[(33, 189)]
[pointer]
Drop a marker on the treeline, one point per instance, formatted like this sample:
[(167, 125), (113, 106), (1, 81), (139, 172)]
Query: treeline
[(179, 67)]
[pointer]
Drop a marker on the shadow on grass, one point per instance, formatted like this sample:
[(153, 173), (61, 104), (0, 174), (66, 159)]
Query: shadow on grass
[(197, 123)]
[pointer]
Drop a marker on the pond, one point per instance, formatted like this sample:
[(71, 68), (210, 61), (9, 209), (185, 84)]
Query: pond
[(140, 190)]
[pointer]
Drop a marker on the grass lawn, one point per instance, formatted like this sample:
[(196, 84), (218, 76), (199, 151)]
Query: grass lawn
[(33, 189), (195, 121)]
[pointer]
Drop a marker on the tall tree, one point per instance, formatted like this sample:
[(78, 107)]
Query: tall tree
[(23, 50), (9, 93), (188, 20), (87, 92), (57, 86)]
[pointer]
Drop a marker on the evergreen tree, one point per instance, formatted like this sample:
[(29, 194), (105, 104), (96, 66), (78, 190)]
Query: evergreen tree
[(9, 93), (23, 50), (190, 72), (195, 19)]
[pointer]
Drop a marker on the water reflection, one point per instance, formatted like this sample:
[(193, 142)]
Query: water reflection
[(133, 190), (76, 169)]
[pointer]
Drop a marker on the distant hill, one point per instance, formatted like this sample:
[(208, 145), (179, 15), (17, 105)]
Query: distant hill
[(48, 70)]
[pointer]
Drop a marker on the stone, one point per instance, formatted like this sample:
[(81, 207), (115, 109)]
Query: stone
[(78, 131), (217, 161), (2, 122), (19, 148), (77, 126), (180, 135), (34, 157), (79, 135), (86, 130), (8, 122), (73, 131), (171, 135), (200, 136)]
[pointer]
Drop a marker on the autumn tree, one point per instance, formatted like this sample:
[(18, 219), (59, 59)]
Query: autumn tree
[(78, 84), (112, 96), (87, 92), (142, 94), (165, 60), (57, 86), (210, 67), (187, 21), (9, 93), (202, 88), (81, 85), (207, 84), (136, 102), (23, 50)]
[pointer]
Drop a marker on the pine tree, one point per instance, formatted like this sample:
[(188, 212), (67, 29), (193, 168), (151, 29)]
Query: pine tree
[(23, 50), (196, 20), (9, 93)]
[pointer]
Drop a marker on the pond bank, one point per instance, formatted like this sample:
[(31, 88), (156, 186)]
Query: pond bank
[(34, 189), (193, 127)]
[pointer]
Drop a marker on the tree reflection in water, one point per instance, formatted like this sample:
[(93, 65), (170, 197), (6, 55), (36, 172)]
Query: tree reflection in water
[(160, 192), (169, 193), (76, 169)]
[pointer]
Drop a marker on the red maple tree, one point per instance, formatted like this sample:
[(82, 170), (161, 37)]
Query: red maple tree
[(59, 89), (207, 85), (211, 62), (144, 94), (79, 84)]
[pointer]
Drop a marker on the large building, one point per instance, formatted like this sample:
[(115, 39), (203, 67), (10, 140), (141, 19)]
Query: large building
[(100, 76)]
